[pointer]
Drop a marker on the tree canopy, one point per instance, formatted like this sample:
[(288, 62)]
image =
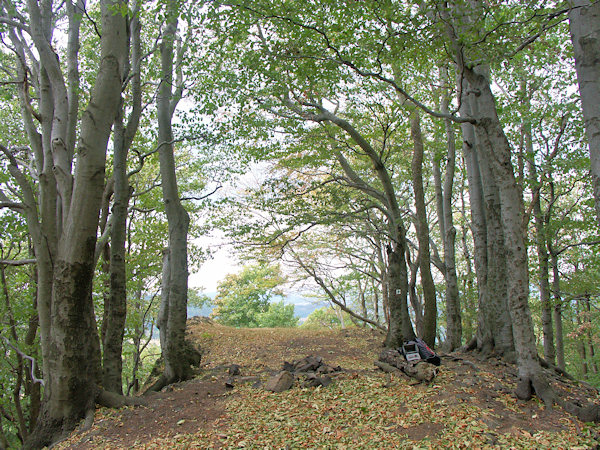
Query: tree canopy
[(429, 168)]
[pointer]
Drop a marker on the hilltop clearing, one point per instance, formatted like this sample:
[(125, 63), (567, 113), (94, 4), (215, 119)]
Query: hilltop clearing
[(470, 404)]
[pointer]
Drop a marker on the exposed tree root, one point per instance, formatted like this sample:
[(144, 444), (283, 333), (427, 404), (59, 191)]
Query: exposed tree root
[(540, 386), (471, 345), (49, 432), (193, 358), (113, 400), (546, 365), (160, 383), (89, 420), (109, 400)]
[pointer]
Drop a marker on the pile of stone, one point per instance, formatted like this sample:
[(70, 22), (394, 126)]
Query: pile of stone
[(308, 372), (391, 360)]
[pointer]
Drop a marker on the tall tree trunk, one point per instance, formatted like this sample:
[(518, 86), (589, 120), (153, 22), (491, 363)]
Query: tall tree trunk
[(399, 327), (540, 238), (415, 301), (587, 315), (447, 230), (557, 312), (494, 331), (116, 307), (72, 356), (580, 341), (172, 332), (468, 288), (495, 148), (584, 24), (396, 276), (430, 310)]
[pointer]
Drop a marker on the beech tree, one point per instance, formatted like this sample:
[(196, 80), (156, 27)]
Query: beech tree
[(178, 355), (353, 112), (584, 23), (68, 158)]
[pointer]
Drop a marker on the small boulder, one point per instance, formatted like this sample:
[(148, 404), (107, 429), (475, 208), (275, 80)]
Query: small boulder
[(283, 381), (315, 381), (234, 370)]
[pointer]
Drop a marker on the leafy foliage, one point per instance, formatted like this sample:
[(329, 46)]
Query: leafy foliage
[(244, 299)]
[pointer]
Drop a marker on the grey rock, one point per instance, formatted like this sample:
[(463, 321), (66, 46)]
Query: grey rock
[(283, 381)]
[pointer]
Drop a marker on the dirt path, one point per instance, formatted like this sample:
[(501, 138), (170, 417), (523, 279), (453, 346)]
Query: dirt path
[(469, 404)]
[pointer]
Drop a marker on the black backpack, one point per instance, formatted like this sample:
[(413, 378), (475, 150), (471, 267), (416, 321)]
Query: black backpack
[(426, 354)]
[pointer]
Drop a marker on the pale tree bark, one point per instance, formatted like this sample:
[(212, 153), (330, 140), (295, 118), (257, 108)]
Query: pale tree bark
[(64, 233), (495, 147), (557, 311), (584, 24), (589, 338), (430, 303), (175, 351), (399, 324), (581, 349), (469, 277), (446, 225), (494, 331), (415, 300), (540, 239), (115, 308)]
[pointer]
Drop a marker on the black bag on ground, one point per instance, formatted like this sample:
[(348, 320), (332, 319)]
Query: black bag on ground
[(425, 352)]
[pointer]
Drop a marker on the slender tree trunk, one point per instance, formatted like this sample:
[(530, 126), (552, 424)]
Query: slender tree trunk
[(589, 339), (396, 276), (376, 305), (18, 421), (415, 301), (580, 341), (557, 312), (172, 332), (116, 307), (584, 24), (447, 230), (468, 288), (540, 237), (430, 310)]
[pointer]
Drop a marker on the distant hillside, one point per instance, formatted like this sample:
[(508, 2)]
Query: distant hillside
[(302, 306)]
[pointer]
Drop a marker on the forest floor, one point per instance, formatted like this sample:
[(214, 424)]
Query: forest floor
[(469, 404)]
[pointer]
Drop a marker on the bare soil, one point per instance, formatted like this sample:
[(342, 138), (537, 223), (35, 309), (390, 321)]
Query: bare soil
[(195, 414)]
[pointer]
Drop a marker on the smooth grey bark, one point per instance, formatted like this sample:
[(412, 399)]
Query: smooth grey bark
[(496, 148), (589, 338), (424, 258), (494, 332), (557, 311), (447, 230), (580, 342), (175, 351), (587, 317), (540, 240), (584, 24), (468, 278), (415, 301), (396, 276), (116, 305), (72, 357)]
